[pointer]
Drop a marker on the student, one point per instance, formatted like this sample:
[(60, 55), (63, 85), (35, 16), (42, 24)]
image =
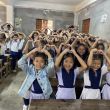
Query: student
[(83, 52), (14, 47), (93, 75), (36, 84), (21, 44), (106, 88), (2, 47), (66, 73)]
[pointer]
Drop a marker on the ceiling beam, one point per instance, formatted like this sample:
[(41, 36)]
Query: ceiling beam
[(41, 5), (83, 4)]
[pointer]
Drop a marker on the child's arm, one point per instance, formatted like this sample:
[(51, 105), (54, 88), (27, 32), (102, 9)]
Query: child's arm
[(83, 64), (108, 50), (68, 40), (75, 42), (88, 41), (50, 67), (55, 48), (105, 56), (59, 58), (59, 49), (23, 64), (90, 58), (95, 43), (26, 48)]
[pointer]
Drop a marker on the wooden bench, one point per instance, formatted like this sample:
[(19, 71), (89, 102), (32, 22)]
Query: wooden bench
[(8, 63), (70, 105), (2, 70), (5, 69)]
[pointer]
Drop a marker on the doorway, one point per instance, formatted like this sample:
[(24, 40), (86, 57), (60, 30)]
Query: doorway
[(42, 24), (85, 26)]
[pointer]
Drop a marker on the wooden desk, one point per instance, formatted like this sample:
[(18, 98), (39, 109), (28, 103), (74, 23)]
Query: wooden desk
[(70, 105)]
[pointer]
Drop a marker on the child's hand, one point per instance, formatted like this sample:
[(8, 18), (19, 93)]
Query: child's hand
[(73, 51), (46, 52), (62, 44), (30, 39), (68, 45), (52, 45), (66, 50), (35, 50), (101, 52), (94, 50)]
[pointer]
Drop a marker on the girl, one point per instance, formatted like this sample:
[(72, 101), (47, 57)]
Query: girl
[(21, 44), (2, 47), (67, 74), (106, 88), (36, 84), (93, 75), (33, 41), (14, 47), (83, 52)]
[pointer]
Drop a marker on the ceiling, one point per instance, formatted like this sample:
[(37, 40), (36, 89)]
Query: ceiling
[(66, 5), (64, 2)]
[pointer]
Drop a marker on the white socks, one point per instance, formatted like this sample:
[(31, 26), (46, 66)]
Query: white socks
[(25, 107)]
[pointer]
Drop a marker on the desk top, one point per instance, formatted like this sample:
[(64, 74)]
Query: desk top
[(70, 105)]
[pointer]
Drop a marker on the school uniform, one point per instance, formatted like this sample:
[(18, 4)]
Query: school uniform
[(66, 83), (106, 88), (14, 46), (2, 53), (20, 48), (92, 82), (35, 81)]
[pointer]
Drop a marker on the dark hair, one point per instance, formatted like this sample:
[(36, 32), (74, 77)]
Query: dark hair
[(15, 35), (98, 56), (92, 39), (8, 26), (84, 45), (68, 54), (34, 34), (100, 44), (2, 36), (52, 52), (42, 55)]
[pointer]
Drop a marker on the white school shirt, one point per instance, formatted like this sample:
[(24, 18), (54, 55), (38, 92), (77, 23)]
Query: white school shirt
[(8, 44), (87, 82), (3, 49), (21, 44), (92, 93), (60, 79), (106, 88), (14, 45), (66, 93)]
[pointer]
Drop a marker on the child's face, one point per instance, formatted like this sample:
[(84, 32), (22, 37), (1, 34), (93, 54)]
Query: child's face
[(39, 63), (81, 50), (68, 63), (96, 64), (36, 37), (15, 37), (100, 47), (20, 37)]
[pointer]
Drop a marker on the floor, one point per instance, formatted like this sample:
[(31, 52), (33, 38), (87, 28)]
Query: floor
[(9, 99)]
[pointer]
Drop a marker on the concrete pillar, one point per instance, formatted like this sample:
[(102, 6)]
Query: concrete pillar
[(76, 14), (10, 14)]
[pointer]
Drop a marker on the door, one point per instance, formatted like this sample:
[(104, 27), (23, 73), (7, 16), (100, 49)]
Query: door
[(86, 25), (41, 24)]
